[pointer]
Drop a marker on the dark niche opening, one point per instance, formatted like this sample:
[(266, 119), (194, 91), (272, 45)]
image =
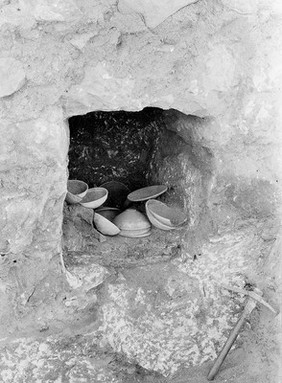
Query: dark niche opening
[(152, 146), (120, 146)]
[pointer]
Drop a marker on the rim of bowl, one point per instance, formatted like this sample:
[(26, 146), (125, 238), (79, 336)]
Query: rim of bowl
[(100, 194), (76, 186)]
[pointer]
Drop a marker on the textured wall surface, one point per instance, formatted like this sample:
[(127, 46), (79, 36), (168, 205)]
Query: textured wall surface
[(114, 146), (218, 60)]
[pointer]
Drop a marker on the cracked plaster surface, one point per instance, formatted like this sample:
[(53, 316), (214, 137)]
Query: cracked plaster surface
[(177, 314), (53, 359)]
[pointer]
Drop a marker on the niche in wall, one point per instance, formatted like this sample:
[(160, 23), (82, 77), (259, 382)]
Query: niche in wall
[(140, 149)]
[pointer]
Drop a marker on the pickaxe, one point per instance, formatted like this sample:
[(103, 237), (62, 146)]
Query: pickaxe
[(254, 296)]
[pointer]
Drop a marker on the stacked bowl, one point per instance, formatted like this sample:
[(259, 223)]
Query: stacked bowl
[(162, 216), (109, 220), (132, 224)]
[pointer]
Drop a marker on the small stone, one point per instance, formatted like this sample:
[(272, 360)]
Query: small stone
[(79, 41), (12, 76)]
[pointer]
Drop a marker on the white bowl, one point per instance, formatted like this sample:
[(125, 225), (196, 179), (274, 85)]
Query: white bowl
[(76, 190), (94, 198), (133, 234), (104, 225), (131, 220), (155, 222), (169, 216), (144, 194), (137, 232)]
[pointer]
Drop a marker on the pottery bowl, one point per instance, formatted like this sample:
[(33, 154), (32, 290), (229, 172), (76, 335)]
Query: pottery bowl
[(144, 194), (94, 198), (76, 190), (169, 216), (155, 222), (135, 233), (104, 225), (117, 193), (108, 212), (131, 220)]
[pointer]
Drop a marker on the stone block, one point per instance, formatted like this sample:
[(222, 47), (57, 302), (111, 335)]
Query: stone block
[(18, 14), (79, 41), (12, 76), (100, 90), (34, 176), (220, 70), (55, 10)]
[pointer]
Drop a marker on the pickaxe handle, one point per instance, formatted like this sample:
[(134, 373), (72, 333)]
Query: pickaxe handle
[(251, 302), (250, 305)]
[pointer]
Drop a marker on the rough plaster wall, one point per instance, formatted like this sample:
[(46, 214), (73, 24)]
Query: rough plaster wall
[(220, 60), (33, 177)]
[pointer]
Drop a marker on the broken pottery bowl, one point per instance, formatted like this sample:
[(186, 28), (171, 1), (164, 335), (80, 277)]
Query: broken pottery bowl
[(94, 198), (132, 220), (169, 216), (105, 226), (76, 190), (146, 193)]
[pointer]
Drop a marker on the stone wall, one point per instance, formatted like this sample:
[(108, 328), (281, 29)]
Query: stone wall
[(219, 60)]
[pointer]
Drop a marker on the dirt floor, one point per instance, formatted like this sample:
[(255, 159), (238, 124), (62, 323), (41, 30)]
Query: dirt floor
[(62, 340)]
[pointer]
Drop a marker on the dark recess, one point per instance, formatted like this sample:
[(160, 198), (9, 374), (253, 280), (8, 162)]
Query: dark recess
[(120, 146)]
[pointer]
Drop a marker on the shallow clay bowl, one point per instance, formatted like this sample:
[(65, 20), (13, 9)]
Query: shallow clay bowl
[(137, 232), (117, 193), (108, 212), (94, 198), (146, 193), (76, 190), (155, 222), (169, 216), (133, 234), (104, 225), (131, 220)]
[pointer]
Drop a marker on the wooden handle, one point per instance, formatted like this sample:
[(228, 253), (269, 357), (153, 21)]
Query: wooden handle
[(250, 305)]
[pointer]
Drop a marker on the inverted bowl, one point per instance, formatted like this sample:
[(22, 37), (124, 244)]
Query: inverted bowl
[(137, 232), (131, 219), (131, 234)]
